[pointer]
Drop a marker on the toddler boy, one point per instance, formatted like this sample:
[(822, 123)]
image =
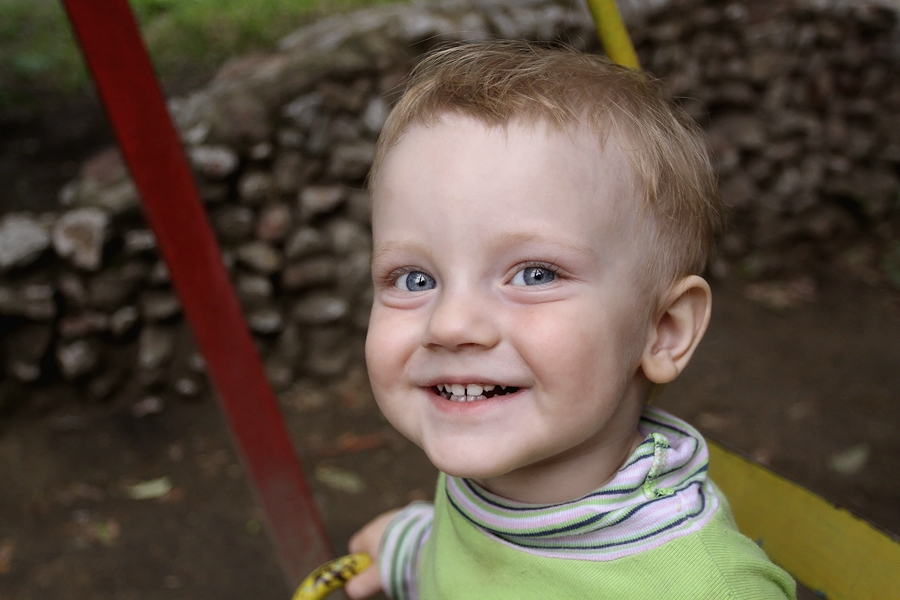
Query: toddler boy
[(540, 221)]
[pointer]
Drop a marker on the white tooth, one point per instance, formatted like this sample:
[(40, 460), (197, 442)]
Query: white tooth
[(444, 387), (470, 398), (489, 388), (473, 389), (458, 389)]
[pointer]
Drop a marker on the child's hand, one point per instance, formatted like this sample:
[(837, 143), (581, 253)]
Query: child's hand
[(368, 540)]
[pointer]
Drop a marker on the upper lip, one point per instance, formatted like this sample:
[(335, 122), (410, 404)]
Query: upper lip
[(435, 381)]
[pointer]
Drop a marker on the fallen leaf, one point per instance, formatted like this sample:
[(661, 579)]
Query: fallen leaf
[(86, 530), (66, 423), (174, 496), (850, 461), (212, 462), (252, 527), (762, 455), (350, 443), (176, 452), (714, 422), (151, 405), (800, 410), (303, 397), (105, 532), (148, 490), (79, 491), (340, 479), (7, 551), (781, 295)]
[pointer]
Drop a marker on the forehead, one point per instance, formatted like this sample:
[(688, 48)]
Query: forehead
[(460, 155)]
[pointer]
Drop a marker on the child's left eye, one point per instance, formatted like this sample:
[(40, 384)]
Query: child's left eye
[(415, 281), (533, 276)]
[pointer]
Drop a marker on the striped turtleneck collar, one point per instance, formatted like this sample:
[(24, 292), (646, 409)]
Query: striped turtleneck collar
[(659, 494)]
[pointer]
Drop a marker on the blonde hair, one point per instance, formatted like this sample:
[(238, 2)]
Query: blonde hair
[(500, 82)]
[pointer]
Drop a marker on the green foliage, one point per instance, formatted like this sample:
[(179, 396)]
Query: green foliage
[(186, 38), (37, 49)]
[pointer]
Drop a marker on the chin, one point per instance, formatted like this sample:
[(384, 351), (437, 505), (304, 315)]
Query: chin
[(468, 469)]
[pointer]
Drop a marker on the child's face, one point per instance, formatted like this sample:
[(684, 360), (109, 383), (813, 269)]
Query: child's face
[(508, 257)]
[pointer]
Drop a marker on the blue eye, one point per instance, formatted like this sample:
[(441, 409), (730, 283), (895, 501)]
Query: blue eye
[(533, 276), (415, 281)]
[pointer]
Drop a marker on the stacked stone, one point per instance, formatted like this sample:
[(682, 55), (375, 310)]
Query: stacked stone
[(801, 105), (803, 110)]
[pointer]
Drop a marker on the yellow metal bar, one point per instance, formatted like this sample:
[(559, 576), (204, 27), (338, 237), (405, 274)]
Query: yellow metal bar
[(824, 547), (613, 34)]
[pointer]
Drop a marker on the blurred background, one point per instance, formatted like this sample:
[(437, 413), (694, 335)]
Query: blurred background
[(117, 476)]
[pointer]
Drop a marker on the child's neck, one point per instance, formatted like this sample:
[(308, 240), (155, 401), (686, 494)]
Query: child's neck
[(567, 476)]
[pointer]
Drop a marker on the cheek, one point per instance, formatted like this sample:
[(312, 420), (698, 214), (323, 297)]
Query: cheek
[(383, 364), (387, 357), (564, 340), (390, 341), (380, 354), (585, 355)]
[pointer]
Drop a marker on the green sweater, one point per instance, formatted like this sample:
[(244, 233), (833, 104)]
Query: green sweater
[(670, 537), (716, 562)]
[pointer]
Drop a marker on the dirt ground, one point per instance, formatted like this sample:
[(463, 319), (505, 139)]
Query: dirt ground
[(794, 389), (811, 391)]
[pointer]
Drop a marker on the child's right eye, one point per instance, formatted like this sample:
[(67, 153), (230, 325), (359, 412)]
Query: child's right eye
[(415, 281)]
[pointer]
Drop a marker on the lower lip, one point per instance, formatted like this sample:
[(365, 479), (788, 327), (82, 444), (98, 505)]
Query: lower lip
[(475, 407)]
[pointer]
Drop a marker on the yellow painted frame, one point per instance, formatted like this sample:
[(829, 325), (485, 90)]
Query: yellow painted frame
[(826, 548)]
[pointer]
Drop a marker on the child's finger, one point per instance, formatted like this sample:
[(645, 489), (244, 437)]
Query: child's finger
[(368, 539), (364, 585)]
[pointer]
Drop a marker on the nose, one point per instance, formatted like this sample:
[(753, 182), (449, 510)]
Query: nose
[(461, 319)]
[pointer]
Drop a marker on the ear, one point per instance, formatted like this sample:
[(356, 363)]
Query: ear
[(678, 328)]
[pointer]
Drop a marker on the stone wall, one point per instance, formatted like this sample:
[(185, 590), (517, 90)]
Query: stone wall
[(802, 105)]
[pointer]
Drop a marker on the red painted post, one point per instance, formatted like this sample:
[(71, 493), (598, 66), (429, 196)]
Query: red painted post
[(115, 53)]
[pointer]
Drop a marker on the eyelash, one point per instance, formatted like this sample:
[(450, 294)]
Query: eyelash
[(539, 264), (391, 277)]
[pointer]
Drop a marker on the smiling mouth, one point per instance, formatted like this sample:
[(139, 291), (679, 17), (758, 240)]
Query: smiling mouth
[(472, 392)]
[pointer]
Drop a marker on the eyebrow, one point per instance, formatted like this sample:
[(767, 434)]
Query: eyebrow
[(521, 238), (392, 246), (498, 242)]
